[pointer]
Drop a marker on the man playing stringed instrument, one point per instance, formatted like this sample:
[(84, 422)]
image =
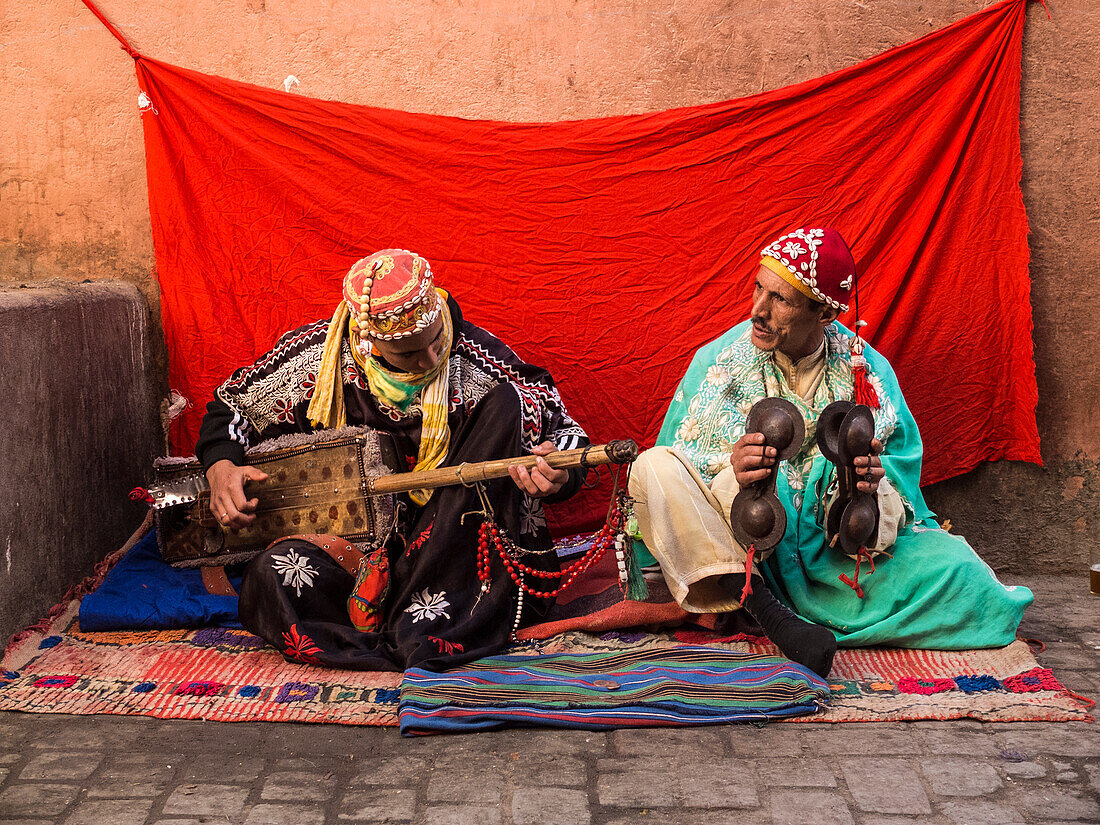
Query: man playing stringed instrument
[(397, 357), (930, 589)]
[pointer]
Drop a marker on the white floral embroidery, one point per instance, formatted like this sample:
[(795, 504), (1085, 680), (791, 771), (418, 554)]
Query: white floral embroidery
[(679, 396), (426, 606), (793, 249), (295, 571), (689, 429), (532, 517), (717, 375)]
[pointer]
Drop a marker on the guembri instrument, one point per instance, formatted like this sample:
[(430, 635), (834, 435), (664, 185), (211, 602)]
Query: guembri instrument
[(339, 482)]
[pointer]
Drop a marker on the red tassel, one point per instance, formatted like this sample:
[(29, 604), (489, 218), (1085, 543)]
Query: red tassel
[(746, 591), (852, 584), (862, 391), (141, 494)]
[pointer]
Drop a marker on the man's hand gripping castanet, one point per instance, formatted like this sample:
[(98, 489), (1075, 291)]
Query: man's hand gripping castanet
[(869, 469), (751, 460)]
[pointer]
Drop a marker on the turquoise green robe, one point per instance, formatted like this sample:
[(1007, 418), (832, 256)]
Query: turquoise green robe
[(934, 592)]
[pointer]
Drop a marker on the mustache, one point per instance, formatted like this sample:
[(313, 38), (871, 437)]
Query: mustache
[(760, 325)]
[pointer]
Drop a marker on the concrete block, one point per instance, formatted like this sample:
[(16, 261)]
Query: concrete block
[(821, 807), (241, 770), (1058, 803), (213, 801), (564, 806), (285, 815), (60, 765), (375, 805), (982, 813), (81, 428), (112, 812), (449, 784), (466, 815), (37, 799), (808, 772), (960, 777), (886, 786), (559, 771), (297, 786), (392, 770)]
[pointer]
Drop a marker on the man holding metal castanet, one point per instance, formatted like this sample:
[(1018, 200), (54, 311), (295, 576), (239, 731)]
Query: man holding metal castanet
[(812, 496)]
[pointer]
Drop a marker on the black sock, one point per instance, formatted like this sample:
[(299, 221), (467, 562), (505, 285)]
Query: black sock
[(810, 645)]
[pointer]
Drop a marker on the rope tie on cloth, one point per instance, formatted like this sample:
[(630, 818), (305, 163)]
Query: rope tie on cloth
[(118, 35)]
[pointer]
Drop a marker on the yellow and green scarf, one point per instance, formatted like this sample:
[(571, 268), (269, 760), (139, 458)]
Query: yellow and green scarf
[(397, 389)]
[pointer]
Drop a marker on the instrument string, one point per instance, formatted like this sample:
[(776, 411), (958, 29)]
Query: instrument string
[(322, 486), (283, 497), (278, 493)]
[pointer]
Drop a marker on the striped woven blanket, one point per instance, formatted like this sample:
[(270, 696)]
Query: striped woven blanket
[(684, 685)]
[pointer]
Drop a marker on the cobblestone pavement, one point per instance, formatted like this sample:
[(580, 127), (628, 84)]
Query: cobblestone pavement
[(104, 770)]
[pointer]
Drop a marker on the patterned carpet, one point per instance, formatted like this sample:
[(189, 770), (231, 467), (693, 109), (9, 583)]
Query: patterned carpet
[(224, 675)]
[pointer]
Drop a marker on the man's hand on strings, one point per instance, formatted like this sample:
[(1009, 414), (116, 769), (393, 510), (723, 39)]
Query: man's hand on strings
[(541, 480), (228, 502), (869, 469), (751, 460)]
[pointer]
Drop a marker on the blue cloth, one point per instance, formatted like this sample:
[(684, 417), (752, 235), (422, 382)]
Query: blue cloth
[(143, 592)]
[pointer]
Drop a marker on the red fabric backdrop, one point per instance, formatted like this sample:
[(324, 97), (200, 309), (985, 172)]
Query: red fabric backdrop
[(608, 250)]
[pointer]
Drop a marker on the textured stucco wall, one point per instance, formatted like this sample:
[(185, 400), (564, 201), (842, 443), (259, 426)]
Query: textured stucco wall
[(72, 187), (80, 430)]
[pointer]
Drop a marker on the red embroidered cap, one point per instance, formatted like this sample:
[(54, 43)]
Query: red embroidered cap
[(815, 261), (391, 294)]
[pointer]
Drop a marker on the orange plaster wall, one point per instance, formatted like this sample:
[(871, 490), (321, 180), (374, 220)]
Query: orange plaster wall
[(72, 179)]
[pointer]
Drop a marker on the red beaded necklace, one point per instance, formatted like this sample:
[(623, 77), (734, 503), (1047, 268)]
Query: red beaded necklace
[(489, 533)]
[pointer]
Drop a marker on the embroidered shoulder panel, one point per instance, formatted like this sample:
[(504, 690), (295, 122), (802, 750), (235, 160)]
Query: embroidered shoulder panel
[(267, 392), (485, 361)]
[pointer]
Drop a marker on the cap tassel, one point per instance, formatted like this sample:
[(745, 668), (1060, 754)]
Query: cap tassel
[(862, 391)]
